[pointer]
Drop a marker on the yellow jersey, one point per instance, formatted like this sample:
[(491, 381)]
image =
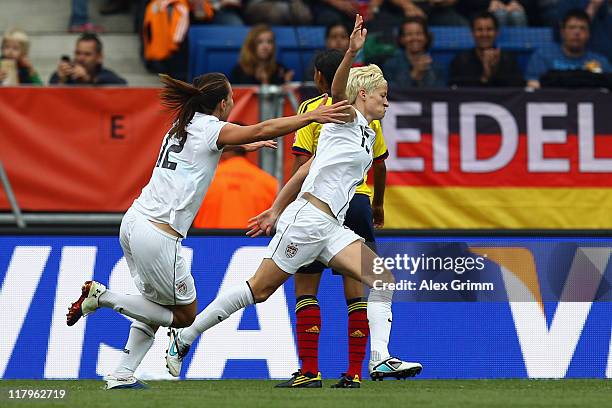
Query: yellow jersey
[(307, 138)]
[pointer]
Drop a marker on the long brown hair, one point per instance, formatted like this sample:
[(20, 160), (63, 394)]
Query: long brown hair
[(248, 52), (184, 99)]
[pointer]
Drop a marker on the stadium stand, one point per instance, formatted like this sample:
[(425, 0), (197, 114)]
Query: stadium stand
[(216, 48)]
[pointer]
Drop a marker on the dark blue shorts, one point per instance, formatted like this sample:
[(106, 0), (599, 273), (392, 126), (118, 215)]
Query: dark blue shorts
[(359, 219)]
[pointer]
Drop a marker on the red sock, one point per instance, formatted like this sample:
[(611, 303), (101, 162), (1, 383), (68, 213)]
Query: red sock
[(358, 332), (308, 326)]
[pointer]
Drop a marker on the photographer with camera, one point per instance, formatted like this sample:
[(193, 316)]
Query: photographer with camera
[(86, 67)]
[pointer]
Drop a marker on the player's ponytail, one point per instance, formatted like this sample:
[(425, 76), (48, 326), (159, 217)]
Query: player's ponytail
[(186, 99)]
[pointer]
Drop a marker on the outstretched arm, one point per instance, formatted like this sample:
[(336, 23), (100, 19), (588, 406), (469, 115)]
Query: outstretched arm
[(232, 134), (264, 222), (251, 147), (357, 40)]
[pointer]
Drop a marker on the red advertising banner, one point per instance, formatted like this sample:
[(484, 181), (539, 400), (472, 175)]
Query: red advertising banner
[(85, 149), (499, 159)]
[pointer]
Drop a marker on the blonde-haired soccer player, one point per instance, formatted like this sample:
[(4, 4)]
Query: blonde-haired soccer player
[(361, 217), (310, 227)]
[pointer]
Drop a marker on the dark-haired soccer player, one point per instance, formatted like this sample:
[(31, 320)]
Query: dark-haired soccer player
[(361, 219)]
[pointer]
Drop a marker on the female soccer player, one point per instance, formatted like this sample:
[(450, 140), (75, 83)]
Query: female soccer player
[(153, 227), (310, 228)]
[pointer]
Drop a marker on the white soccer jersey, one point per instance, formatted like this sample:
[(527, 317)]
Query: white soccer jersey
[(182, 175), (342, 159)]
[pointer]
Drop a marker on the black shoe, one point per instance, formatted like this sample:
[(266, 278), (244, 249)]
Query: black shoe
[(299, 380), (348, 382)]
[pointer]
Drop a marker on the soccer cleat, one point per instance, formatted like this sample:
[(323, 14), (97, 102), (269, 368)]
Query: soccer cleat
[(393, 367), (87, 303), (302, 380), (175, 353), (115, 383), (348, 382)]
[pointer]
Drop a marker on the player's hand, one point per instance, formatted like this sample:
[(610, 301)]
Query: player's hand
[(251, 147), (358, 36), (336, 113), (378, 216), (262, 223), (3, 75)]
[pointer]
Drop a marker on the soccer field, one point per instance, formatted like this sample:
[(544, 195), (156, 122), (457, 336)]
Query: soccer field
[(249, 393)]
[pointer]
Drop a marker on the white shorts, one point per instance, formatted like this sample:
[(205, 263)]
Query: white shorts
[(305, 234), (154, 258)]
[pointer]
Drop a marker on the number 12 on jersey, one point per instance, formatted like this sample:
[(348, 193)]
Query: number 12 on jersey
[(165, 151)]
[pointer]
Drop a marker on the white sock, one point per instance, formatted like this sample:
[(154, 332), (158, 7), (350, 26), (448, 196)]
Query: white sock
[(226, 303), (379, 318), (137, 307), (139, 342)]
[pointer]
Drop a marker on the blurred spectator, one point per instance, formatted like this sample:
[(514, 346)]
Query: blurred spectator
[(328, 12), (485, 65), (336, 38), (79, 19), (278, 12), (509, 12), (443, 13), (115, 6), (86, 67), (231, 201), (164, 37), (227, 12), (257, 63), (571, 55), (600, 13), (388, 14), (16, 67), (412, 66), (548, 14)]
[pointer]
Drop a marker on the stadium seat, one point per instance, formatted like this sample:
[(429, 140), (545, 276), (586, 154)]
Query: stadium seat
[(216, 48)]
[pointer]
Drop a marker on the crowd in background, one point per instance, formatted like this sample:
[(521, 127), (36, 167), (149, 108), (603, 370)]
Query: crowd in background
[(584, 29)]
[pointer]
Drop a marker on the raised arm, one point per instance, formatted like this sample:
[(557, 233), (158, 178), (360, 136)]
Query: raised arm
[(232, 134), (357, 40), (264, 222)]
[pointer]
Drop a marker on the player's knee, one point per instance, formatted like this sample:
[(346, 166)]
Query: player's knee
[(182, 319), (261, 293)]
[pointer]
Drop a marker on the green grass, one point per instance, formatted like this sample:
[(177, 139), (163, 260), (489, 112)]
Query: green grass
[(390, 393)]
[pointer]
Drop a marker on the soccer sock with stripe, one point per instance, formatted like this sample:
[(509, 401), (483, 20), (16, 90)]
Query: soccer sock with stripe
[(226, 303), (358, 332), (137, 307), (140, 340), (308, 327), (379, 318)]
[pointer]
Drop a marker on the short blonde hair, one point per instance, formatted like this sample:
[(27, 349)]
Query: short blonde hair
[(20, 36), (367, 78)]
